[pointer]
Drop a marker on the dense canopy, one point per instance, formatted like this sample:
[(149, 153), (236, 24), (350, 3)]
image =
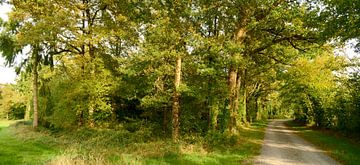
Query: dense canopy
[(181, 67)]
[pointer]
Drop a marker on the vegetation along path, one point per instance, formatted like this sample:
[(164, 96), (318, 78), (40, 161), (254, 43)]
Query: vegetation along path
[(282, 146)]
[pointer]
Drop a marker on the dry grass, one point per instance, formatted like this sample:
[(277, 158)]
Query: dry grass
[(193, 149)]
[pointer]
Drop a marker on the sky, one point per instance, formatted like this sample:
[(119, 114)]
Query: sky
[(8, 75)]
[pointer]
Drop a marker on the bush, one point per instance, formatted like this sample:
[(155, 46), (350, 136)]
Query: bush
[(17, 111), (222, 140)]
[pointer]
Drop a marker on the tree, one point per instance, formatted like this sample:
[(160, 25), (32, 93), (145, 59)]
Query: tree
[(168, 37), (16, 37)]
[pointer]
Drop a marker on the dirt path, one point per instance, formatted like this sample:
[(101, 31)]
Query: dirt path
[(282, 146)]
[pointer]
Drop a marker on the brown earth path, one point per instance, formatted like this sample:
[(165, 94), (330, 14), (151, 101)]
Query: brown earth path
[(282, 146)]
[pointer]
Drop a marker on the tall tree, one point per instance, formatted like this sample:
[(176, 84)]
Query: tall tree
[(25, 29), (165, 38)]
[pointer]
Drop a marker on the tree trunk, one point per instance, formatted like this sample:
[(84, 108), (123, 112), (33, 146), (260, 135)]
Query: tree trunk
[(28, 110), (35, 88), (214, 112), (244, 98), (165, 120), (239, 37), (113, 112), (91, 116), (258, 109), (176, 101), (232, 99), (211, 106), (237, 96)]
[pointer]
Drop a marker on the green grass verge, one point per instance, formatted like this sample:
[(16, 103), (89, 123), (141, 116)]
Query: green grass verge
[(337, 146), (14, 151), (96, 146)]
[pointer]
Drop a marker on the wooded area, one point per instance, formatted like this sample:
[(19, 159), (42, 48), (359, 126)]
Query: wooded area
[(176, 68)]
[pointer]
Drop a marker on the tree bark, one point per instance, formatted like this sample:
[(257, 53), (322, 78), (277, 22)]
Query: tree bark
[(214, 112), (244, 109), (91, 116), (239, 37), (258, 109), (27, 111), (35, 88), (232, 99), (237, 96), (176, 101), (165, 120)]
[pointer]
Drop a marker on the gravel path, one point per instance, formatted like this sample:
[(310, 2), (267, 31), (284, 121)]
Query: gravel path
[(282, 146)]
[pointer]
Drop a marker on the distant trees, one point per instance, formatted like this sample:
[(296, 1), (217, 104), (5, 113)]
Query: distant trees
[(12, 103)]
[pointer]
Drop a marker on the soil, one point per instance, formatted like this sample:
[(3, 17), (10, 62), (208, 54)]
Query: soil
[(283, 146)]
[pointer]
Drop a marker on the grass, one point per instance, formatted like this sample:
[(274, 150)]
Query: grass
[(341, 148), (15, 151), (102, 146), (218, 149), (6, 123)]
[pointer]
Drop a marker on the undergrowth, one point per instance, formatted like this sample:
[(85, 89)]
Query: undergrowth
[(109, 146)]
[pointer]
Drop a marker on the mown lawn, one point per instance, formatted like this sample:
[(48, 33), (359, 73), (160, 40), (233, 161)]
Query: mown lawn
[(15, 151), (21, 145), (343, 149)]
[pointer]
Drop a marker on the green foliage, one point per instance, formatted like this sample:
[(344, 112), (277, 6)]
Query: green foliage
[(67, 98), (326, 99), (346, 107), (310, 88), (110, 64)]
